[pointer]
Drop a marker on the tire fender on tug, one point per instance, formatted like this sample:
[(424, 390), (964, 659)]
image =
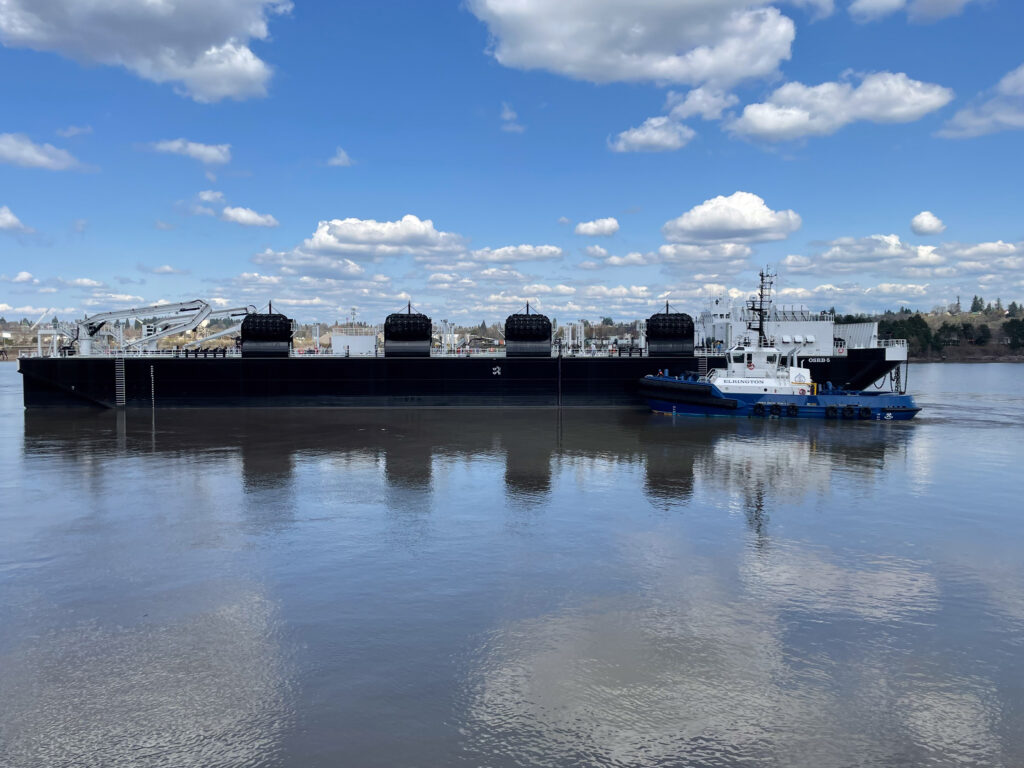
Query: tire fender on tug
[(792, 410), (848, 412), (831, 412), (865, 412), (776, 409), (759, 409)]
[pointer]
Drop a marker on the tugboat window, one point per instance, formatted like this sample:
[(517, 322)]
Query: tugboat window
[(737, 358), (771, 359)]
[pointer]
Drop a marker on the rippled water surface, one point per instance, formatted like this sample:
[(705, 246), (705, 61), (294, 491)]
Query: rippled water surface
[(517, 588)]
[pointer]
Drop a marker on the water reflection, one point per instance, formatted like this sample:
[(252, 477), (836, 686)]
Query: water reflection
[(499, 588), (750, 460), (691, 670), (209, 689)]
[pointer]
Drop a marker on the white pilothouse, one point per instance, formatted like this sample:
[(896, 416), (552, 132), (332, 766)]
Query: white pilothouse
[(758, 369)]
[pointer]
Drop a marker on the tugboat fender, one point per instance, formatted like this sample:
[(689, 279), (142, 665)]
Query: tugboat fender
[(865, 412), (792, 410), (759, 409), (776, 409), (831, 412)]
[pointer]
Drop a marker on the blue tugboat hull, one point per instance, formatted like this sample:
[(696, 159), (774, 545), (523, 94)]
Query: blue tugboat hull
[(694, 398)]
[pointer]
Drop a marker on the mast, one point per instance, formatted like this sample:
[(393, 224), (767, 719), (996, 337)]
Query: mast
[(759, 305)]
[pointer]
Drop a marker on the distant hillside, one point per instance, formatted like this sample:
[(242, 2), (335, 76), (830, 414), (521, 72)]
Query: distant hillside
[(988, 332)]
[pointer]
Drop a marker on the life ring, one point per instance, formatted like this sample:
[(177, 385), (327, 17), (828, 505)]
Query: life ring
[(776, 409), (803, 391), (750, 366), (759, 409), (865, 412), (792, 410), (848, 412)]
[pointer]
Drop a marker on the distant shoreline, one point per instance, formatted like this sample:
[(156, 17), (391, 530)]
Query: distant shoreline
[(970, 359)]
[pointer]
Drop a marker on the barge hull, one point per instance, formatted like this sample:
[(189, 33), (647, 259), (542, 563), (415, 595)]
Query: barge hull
[(324, 381)]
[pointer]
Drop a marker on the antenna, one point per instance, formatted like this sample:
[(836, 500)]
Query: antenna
[(759, 305)]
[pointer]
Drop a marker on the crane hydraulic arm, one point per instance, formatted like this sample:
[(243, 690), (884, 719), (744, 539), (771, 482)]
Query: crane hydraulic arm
[(174, 319)]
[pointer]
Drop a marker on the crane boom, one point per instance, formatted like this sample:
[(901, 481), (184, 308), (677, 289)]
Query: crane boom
[(182, 316)]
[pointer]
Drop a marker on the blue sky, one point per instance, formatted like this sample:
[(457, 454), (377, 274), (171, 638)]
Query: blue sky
[(592, 156)]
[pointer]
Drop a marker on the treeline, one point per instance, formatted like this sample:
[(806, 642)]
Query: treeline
[(978, 305), (922, 340)]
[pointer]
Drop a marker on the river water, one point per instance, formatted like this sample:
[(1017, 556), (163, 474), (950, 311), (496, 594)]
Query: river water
[(518, 588)]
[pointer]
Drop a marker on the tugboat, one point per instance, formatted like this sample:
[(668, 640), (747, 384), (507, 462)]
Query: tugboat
[(759, 381)]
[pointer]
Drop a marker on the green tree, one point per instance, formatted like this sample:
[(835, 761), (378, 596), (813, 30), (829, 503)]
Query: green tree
[(915, 330), (948, 335), (984, 335), (1014, 330), (607, 321), (1013, 309), (977, 304)]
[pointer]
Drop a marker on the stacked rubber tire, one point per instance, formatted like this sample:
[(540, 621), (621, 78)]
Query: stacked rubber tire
[(407, 334), (266, 335), (527, 335), (670, 333)]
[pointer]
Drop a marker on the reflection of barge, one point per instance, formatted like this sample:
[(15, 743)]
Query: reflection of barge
[(82, 368)]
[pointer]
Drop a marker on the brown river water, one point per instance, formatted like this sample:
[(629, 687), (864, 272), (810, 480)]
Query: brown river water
[(514, 588)]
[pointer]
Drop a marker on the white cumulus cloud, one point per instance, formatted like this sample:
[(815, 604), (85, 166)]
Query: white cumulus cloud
[(9, 222), (340, 159), (723, 258), (210, 154), (74, 130), (917, 10), (883, 254), (795, 110), (19, 149), (900, 289), (708, 103), (655, 134), (368, 237), (742, 217), (663, 41), (211, 196), (617, 292), (510, 120), (598, 227), (247, 217), (632, 259), (1001, 109), (927, 223), (320, 265), (202, 46), (513, 253)]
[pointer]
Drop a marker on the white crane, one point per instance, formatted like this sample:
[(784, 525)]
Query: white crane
[(172, 319), (237, 327)]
